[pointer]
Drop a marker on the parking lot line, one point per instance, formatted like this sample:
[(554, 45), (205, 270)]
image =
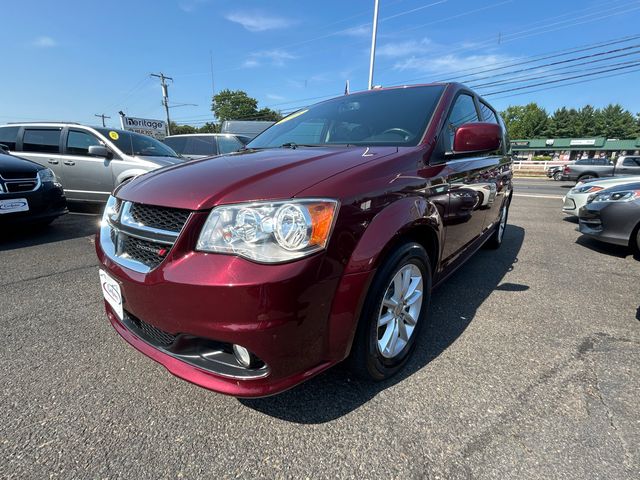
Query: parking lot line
[(555, 197)]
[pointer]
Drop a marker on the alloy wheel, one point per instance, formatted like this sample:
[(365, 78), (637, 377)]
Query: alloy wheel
[(400, 310)]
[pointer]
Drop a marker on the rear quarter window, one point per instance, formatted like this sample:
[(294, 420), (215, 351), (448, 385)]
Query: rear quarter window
[(41, 140), (9, 136)]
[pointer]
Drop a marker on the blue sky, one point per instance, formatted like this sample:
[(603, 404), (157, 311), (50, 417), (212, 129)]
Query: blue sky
[(71, 59)]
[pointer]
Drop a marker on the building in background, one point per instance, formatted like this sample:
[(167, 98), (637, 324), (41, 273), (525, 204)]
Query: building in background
[(567, 149)]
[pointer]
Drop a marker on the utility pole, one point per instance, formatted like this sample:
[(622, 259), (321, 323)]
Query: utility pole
[(374, 33), (165, 96), (102, 116)]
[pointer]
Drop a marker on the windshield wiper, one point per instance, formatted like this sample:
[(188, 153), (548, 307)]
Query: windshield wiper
[(291, 145)]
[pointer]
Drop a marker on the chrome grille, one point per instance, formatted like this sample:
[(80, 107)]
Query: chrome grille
[(140, 236), (21, 186), (143, 251), (161, 218)]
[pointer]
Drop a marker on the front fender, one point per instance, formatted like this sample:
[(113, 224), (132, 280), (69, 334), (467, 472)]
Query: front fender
[(384, 231), (129, 173)]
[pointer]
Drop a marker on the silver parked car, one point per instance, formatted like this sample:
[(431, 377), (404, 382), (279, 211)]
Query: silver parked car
[(89, 161), (200, 145)]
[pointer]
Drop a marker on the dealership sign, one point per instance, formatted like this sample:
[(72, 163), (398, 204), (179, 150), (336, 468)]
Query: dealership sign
[(146, 126), (583, 142)]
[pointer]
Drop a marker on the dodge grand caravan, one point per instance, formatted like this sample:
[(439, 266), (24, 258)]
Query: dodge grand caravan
[(251, 272), (89, 162)]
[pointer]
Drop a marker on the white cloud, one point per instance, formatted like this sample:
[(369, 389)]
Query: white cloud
[(191, 5), (258, 22), (44, 42), (450, 63), (277, 57), (277, 98), (404, 49), (357, 31)]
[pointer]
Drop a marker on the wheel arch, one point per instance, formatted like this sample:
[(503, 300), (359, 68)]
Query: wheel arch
[(412, 219)]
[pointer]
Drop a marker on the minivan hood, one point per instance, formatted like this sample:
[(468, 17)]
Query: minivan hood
[(13, 167), (245, 176)]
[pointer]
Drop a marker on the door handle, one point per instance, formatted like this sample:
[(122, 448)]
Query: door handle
[(69, 162), (52, 161)]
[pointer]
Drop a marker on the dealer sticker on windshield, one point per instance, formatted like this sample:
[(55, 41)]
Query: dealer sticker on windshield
[(13, 205), (111, 292)]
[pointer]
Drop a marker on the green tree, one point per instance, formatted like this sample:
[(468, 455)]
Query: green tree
[(526, 121), (237, 105), (587, 122), (209, 127), (182, 129), (616, 122), (233, 105), (563, 124)]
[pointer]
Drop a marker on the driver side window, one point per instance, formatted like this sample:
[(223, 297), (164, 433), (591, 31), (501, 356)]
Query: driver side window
[(464, 111)]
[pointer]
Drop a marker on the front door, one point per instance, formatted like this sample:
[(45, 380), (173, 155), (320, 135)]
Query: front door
[(86, 178), (465, 215)]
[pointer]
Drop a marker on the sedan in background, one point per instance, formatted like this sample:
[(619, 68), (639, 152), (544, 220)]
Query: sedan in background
[(29, 193), (577, 197), (202, 145), (613, 216)]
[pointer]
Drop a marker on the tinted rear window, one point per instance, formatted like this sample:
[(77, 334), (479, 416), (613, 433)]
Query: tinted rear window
[(8, 136), (45, 140)]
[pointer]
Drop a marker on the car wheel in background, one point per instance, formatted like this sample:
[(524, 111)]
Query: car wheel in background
[(587, 176), (394, 311), (634, 242), (557, 176)]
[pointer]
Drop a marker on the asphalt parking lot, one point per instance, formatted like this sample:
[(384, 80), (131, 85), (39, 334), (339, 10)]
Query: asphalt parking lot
[(528, 369)]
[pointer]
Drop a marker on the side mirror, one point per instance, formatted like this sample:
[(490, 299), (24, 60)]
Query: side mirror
[(3, 147), (477, 137), (99, 151)]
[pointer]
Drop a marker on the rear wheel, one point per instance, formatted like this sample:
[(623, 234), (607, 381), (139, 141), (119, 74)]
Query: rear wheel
[(495, 241), (393, 314), (634, 241), (586, 176)]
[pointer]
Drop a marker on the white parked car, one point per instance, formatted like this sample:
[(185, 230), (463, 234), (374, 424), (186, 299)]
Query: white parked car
[(578, 195)]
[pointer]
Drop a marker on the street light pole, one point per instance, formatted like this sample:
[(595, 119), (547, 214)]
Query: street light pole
[(374, 33)]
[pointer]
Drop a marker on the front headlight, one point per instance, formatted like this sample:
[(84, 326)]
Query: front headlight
[(269, 232), (587, 189), (620, 196), (46, 175)]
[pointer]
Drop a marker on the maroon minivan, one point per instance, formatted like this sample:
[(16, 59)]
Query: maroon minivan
[(321, 241)]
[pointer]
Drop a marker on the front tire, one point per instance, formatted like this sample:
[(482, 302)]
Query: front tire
[(394, 311), (557, 176)]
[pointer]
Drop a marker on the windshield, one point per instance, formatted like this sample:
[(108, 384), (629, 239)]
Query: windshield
[(395, 117), (131, 143)]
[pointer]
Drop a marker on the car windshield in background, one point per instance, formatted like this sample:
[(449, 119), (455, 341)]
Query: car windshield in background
[(394, 117), (135, 144)]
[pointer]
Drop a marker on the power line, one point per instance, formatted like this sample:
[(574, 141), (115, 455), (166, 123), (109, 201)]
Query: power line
[(523, 78), (618, 74), (553, 81)]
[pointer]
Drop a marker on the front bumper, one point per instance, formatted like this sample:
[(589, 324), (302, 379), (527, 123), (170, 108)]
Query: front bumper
[(610, 222), (278, 312), (46, 203)]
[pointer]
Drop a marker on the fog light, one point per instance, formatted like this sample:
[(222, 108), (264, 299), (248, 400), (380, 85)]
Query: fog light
[(243, 355)]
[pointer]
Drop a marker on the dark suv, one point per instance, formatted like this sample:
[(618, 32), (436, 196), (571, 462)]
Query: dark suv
[(321, 241)]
